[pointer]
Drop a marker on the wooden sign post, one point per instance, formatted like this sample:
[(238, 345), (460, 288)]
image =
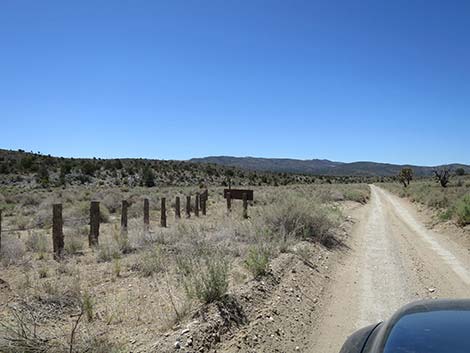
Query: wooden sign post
[(239, 194)]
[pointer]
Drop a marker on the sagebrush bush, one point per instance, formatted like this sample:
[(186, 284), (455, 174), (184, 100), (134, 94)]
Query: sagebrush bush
[(12, 251), (462, 210), (302, 218), (205, 278), (36, 242), (257, 260), (73, 244), (108, 252), (151, 262), (358, 195)]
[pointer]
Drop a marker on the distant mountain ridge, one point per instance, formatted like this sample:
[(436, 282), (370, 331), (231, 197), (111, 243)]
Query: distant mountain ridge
[(321, 166)]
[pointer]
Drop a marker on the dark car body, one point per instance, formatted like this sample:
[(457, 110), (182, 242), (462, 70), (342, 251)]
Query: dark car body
[(428, 326)]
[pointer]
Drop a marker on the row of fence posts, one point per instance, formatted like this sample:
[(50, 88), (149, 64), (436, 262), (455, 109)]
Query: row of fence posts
[(57, 221)]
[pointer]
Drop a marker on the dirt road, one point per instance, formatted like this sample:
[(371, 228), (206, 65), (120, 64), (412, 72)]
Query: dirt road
[(394, 259)]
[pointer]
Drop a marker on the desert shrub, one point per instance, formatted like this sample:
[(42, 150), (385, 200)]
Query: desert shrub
[(73, 244), (112, 201), (20, 333), (445, 215), (462, 210), (122, 241), (302, 218), (205, 278), (36, 243), (107, 252), (150, 262), (104, 214), (257, 260), (21, 222), (88, 306), (358, 195), (117, 267), (12, 251)]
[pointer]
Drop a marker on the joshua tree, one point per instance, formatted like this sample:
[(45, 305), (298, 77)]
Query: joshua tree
[(405, 176), (442, 176)]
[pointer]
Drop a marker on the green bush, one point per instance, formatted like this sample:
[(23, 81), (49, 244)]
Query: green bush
[(462, 210), (257, 261)]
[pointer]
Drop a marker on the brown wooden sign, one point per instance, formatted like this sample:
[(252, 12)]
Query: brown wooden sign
[(237, 194)]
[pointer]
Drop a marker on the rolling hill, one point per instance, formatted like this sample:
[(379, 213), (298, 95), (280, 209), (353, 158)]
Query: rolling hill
[(320, 166)]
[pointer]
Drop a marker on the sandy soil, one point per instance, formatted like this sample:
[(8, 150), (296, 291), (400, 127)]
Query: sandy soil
[(394, 259)]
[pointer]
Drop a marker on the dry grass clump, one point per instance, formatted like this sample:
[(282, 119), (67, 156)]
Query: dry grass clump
[(150, 262), (12, 251), (73, 243), (257, 260), (36, 242), (23, 333), (206, 277)]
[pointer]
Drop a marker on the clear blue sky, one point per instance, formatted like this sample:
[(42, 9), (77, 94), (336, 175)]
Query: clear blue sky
[(345, 80)]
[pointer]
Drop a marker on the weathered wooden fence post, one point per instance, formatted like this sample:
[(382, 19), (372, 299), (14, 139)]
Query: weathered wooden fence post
[(163, 213), (177, 208), (229, 202), (125, 204), (57, 231), (196, 205), (94, 223), (188, 206), (204, 200), (146, 215), (245, 205)]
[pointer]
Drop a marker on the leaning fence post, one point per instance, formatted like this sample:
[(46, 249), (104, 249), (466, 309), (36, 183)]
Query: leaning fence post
[(188, 206), (196, 208), (125, 204), (229, 201), (245, 205), (163, 213), (177, 207), (146, 214), (94, 223), (57, 231)]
